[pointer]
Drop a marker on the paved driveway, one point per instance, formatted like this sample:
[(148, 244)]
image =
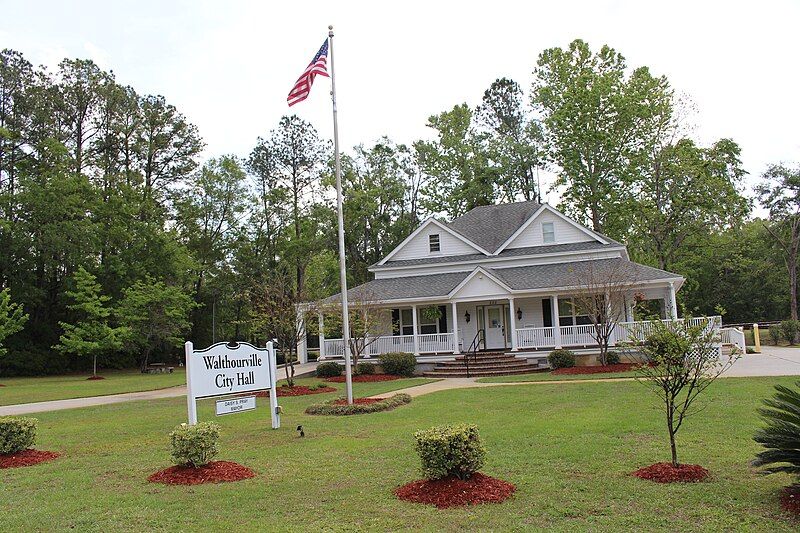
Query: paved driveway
[(772, 361)]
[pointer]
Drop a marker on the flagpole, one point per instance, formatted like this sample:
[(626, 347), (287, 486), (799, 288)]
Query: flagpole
[(342, 264)]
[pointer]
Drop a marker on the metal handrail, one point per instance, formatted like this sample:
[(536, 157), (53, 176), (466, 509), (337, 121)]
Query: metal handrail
[(480, 337)]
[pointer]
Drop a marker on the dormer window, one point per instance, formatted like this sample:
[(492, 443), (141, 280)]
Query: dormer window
[(548, 233), (433, 242)]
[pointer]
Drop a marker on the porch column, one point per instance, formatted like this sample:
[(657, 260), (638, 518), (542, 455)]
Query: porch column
[(321, 320), (556, 322), (302, 351), (673, 306), (628, 309), (513, 323), (455, 328), (414, 323)]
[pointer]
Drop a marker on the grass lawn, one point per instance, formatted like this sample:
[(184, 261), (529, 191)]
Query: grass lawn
[(549, 376), (569, 449), (41, 389)]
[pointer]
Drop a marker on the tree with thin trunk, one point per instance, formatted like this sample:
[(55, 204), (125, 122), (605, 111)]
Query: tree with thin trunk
[(780, 194), (605, 290), (12, 318), (679, 360), (367, 318)]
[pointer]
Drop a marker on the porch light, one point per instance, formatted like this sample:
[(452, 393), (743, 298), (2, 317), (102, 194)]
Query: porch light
[(466, 317), (519, 313)]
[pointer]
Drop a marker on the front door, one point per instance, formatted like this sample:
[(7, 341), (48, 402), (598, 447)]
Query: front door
[(495, 328)]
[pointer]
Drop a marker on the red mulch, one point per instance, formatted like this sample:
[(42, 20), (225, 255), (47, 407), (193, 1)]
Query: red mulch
[(454, 492), (297, 390), (213, 472), (365, 378), (621, 367), (790, 499), (365, 401), (94, 378), (26, 458), (666, 473)]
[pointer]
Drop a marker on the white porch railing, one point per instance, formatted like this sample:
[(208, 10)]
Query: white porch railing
[(428, 343), (734, 336), (535, 337), (435, 342)]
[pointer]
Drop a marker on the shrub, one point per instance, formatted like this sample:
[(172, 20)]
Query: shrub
[(194, 445), (612, 358), (16, 434), (790, 328), (365, 368), (561, 359), (750, 349), (781, 436), (450, 450), (329, 370), (399, 363), (329, 407), (775, 334)]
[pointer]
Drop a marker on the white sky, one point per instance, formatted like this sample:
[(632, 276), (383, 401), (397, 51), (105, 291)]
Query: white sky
[(228, 65)]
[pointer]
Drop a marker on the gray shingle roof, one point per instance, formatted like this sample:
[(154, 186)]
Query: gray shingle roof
[(571, 274), (489, 226)]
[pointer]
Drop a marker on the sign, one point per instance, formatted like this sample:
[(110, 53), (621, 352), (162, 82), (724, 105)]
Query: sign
[(230, 368), (236, 405)]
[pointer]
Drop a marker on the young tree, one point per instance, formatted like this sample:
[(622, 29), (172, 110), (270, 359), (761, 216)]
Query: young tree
[(366, 320), (679, 361), (604, 292), (12, 318), (780, 194), (91, 335), (155, 315)]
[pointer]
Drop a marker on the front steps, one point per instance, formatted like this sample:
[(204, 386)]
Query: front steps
[(487, 364)]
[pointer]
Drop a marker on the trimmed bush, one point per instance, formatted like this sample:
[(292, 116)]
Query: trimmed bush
[(365, 368), (194, 445), (775, 334), (399, 363), (17, 433), (329, 370), (612, 358), (561, 359), (328, 408), (790, 329), (450, 451)]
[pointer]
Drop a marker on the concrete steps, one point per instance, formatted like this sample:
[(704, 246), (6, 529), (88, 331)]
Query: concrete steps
[(486, 364)]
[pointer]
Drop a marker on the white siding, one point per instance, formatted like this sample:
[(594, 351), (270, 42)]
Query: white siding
[(482, 286), (531, 312), (565, 232), (418, 247)]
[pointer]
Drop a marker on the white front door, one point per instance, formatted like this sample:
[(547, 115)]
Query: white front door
[(495, 328)]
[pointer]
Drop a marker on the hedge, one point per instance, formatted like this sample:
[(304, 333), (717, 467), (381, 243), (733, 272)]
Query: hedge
[(328, 408)]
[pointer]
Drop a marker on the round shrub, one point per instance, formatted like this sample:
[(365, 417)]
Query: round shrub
[(194, 445), (775, 334), (399, 363), (329, 369), (561, 359), (17, 433), (365, 368), (790, 329), (450, 451), (612, 358)]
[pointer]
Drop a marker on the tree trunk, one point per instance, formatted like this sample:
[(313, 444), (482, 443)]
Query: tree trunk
[(94, 366), (792, 267), (672, 446)]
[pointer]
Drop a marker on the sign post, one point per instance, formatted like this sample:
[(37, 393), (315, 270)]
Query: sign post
[(224, 369)]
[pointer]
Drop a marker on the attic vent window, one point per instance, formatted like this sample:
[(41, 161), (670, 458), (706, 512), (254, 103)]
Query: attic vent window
[(433, 241), (548, 233)]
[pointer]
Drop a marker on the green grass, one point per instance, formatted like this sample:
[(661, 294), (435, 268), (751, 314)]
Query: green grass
[(41, 389), (568, 448), (549, 376)]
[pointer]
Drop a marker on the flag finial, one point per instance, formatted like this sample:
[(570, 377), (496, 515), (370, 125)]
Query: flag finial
[(330, 30)]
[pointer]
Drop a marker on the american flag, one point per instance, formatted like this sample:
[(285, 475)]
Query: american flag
[(303, 84)]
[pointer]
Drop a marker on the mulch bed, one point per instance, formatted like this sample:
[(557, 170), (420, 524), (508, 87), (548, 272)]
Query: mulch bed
[(297, 390), (360, 401), (454, 492), (213, 472), (365, 378), (26, 458), (94, 378), (621, 367), (666, 473), (790, 500)]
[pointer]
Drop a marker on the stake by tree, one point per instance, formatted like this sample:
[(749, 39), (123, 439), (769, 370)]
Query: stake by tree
[(91, 334), (679, 361)]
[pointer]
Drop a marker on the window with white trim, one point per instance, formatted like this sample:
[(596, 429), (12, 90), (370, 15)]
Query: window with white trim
[(433, 242), (548, 232), (406, 322), (570, 315)]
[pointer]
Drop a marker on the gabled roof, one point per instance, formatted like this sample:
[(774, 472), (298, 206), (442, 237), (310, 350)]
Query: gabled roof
[(490, 226), (428, 221)]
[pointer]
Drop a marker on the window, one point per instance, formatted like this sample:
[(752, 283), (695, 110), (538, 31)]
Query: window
[(406, 322), (548, 232), (427, 324), (570, 315), (433, 241)]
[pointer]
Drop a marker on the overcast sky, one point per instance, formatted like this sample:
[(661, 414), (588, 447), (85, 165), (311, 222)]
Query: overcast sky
[(228, 65)]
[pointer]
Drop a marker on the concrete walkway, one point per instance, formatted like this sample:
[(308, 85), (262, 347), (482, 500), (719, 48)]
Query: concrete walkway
[(91, 401)]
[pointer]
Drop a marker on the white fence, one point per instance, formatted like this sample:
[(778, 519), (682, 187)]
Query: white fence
[(734, 336), (428, 343)]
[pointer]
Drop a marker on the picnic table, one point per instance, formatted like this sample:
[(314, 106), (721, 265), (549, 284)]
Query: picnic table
[(159, 368)]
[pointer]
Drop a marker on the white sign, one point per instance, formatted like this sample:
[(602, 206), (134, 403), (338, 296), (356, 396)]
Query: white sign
[(235, 405), (224, 369)]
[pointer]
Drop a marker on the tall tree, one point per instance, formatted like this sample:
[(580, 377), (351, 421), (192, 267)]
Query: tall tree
[(780, 194)]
